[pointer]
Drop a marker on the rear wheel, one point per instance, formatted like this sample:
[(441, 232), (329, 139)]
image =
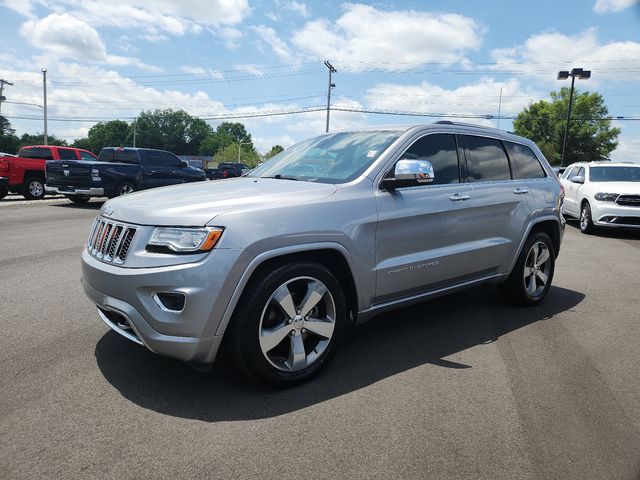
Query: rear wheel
[(3, 192), (288, 323), (33, 188), (530, 279), (78, 199), (125, 188), (586, 222)]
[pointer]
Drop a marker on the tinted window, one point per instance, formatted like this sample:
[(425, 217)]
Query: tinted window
[(43, 153), (86, 156), (486, 160), (125, 156), (66, 154), (157, 158), (614, 174), (440, 149), (524, 162)]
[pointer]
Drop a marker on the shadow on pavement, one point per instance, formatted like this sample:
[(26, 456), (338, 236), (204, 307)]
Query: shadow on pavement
[(612, 232), (385, 346), (92, 205)]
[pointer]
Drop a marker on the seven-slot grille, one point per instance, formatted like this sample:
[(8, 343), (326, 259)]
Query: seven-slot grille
[(628, 200), (109, 241)]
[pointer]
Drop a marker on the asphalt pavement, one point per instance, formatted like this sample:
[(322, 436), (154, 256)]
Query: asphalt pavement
[(465, 386)]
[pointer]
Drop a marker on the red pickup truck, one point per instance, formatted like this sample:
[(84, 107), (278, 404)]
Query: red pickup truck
[(24, 174)]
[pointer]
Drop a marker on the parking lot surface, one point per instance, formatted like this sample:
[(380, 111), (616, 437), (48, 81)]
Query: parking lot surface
[(465, 386)]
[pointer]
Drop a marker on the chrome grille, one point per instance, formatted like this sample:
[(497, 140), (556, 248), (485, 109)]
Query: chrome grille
[(110, 241), (628, 200)]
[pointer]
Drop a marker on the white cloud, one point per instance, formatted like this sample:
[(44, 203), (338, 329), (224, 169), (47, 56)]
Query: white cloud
[(366, 34), (480, 98), (216, 75), (264, 144), (23, 7), (604, 6), (249, 68), (279, 46), (297, 7), (545, 53), (70, 37)]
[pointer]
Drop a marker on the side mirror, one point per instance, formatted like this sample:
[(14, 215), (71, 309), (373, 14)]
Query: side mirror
[(409, 173), (183, 164), (577, 179)]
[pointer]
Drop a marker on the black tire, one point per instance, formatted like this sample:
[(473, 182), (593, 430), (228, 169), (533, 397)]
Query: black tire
[(585, 220), (518, 288), (124, 188), (79, 199), (33, 188), (3, 192), (245, 345)]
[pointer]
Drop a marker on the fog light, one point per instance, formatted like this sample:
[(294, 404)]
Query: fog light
[(170, 301)]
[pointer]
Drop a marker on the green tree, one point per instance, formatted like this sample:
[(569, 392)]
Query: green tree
[(276, 149), (590, 137), (82, 143), (30, 139), (8, 140), (226, 133), (116, 133), (248, 155), (173, 130)]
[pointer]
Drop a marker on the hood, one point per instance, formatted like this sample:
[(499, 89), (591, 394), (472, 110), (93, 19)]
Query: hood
[(196, 204), (623, 188)]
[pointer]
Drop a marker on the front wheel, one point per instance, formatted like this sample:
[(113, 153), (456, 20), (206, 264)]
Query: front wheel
[(125, 188), (288, 323), (33, 189), (586, 221), (530, 279)]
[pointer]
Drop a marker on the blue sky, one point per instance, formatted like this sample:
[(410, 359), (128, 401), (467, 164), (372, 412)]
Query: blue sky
[(220, 59)]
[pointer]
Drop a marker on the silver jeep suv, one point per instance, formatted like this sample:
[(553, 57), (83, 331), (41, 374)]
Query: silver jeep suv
[(332, 231)]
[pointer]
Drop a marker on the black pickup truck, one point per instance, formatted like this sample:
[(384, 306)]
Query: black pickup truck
[(227, 170), (118, 171)]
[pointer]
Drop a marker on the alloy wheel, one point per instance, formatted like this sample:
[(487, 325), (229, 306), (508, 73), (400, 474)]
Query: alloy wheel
[(537, 268)]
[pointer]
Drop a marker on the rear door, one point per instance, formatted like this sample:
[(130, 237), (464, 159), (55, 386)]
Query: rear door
[(501, 204), (423, 232), (161, 168)]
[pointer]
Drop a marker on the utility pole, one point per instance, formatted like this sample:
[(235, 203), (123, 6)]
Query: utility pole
[(44, 87), (331, 85), (499, 107), (135, 121), (2, 82)]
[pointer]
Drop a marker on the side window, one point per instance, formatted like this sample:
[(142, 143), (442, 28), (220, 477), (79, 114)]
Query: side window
[(66, 154), (581, 172), (486, 160), (441, 150), (86, 156), (125, 156), (157, 158), (567, 173), (43, 153), (524, 162)]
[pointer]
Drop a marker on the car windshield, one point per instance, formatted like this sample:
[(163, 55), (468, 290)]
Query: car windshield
[(332, 158), (615, 174)]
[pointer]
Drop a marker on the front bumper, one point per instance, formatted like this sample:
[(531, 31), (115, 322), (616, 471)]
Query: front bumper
[(125, 301), (69, 190), (609, 214)]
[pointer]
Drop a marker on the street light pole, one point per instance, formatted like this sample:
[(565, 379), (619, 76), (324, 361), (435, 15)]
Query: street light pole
[(331, 85), (44, 88), (240, 144), (563, 75)]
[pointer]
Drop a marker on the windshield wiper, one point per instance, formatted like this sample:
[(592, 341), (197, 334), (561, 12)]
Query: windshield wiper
[(282, 177)]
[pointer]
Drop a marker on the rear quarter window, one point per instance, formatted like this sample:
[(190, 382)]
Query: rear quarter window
[(486, 160), (66, 154), (524, 162), (43, 153)]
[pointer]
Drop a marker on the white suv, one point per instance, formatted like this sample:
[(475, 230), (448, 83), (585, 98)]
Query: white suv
[(602, 194)]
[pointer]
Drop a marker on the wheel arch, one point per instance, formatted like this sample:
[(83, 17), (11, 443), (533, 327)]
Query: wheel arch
[(331, 255), (550, 225)]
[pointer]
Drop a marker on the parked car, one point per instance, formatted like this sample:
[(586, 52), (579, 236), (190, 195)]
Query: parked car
[(26, 172), (602, 194), (4, 154), (119, 171), (558, 170), (279, 262), (227, 170)]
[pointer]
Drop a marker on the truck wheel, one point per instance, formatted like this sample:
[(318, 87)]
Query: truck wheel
[(78, 199), (3, 192), (33, 188), (530, 279), (287, 324), (586, 222), (125, 188)]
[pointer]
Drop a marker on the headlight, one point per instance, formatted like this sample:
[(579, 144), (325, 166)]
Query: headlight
[(606, 197), (184, 240)]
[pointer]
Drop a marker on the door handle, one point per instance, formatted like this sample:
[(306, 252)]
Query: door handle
[(456, 197), (520, 190)]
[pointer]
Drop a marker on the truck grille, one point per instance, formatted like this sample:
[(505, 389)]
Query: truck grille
[(629, 200), (110, 242)]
